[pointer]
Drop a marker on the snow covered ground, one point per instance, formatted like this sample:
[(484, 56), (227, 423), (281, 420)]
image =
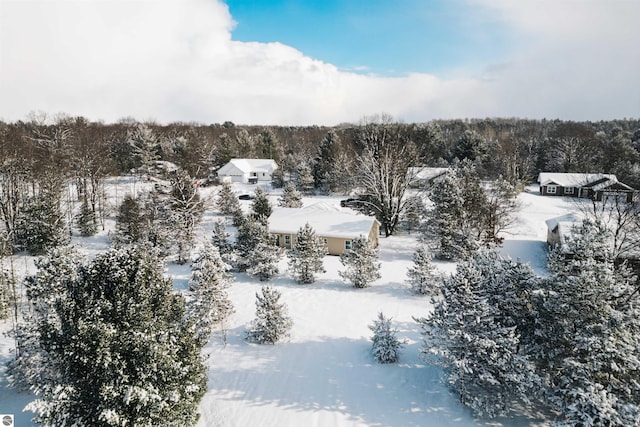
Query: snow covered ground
[(325, 374)]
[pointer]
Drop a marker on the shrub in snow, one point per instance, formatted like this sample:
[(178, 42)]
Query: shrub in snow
[(272, 322), (291, 197), (386, 345), (209, 280), (112, 343), (422, 278), (306, 257), (361, 263)]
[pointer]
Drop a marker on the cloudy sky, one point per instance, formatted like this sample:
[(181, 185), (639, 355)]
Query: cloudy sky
[(326, 62)]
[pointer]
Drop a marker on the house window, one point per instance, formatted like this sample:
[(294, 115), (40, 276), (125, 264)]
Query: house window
[(287, 240), (347, 245), (277, 240), (569, 190), (551, 189)]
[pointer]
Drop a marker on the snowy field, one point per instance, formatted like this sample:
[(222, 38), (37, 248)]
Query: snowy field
[(324, 375)]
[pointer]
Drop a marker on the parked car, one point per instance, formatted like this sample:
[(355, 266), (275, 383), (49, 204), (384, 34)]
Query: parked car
[(246, 197)]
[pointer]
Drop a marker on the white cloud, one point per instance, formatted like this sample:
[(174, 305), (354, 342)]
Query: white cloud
[(172, 60)]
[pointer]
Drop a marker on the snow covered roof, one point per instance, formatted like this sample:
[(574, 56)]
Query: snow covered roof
[(564, 222), (326, 219), (426, 173), (577, 179), (251, 165)]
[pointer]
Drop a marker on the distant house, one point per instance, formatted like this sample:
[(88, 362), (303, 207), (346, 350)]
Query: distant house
[(248, 171), (561, 228), (595, 186), (425, 176), (335, 226)]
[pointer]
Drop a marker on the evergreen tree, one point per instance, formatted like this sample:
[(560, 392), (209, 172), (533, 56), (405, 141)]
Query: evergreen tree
[(209, 280), (422, 278), (86, 220), (227, 202), (476, 337), (250, 233), (304, 178), (291, 197), (386, 346), (261, 206), (220, 240), (157, 230), (263, 261), (41, 225), (272, 322), (5, 293), (186, 212), (361, 263), (129, 221), (328, 152), (453, 218), (587, 337), (119, 348), (306, 257)]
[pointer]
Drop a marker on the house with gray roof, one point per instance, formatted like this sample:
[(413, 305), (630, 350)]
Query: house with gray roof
[(595, 186)]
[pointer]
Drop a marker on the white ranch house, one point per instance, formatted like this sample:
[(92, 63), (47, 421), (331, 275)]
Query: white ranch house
[(248, 171)]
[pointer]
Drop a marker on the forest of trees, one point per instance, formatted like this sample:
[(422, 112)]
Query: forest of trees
[(38, 156)]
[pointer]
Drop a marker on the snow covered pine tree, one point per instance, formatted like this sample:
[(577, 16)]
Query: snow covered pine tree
[(361, 263), (209, 280), (119, 347), (272, 322), (386, 345), (305, 258)]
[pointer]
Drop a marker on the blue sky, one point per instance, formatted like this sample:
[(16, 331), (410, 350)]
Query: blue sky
[(286, 62), (378, 36)]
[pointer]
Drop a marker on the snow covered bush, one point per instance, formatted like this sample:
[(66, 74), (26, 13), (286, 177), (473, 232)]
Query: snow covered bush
[(209, 280), (306, 257), (272, 322), (361, 263), (112, 343), (386, 345), (422, 278)]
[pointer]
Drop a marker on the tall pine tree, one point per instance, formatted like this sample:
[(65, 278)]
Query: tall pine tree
[(306, 256)]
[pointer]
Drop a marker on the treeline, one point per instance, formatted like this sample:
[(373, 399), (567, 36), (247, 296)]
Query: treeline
[(515, 149)]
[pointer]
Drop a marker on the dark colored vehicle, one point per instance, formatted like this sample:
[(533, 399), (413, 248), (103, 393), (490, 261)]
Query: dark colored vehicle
[(245, 197)]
